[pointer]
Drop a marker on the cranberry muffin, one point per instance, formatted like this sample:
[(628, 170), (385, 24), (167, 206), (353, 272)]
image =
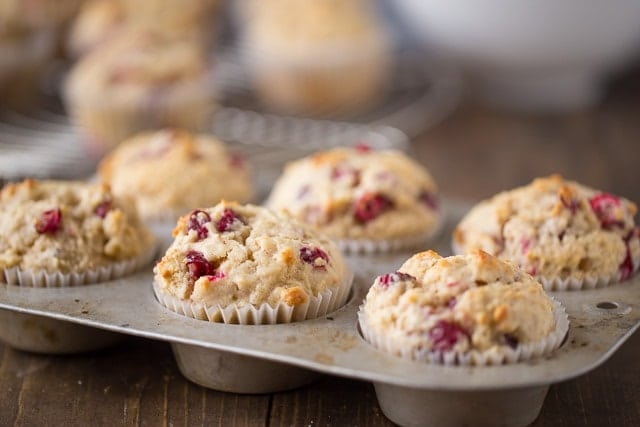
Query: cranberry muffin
[(64, 228), (465, 309), (237, 263), (361, 195), (564, 233), (97, 22), (174, 18), (137, 81), (196, 171)]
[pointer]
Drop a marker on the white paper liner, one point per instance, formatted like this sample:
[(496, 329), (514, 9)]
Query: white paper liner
[(501, 355), (42, 279), (371, 246), (572, 283), (325, 302), (586, 282)]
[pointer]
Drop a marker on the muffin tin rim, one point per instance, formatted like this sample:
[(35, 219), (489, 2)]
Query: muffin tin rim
[(340, 350)]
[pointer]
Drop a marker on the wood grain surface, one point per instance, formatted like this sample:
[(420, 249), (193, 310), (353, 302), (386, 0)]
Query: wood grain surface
[(472, 155)]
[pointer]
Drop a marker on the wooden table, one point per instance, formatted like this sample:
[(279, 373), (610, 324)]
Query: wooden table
[(473, 154)]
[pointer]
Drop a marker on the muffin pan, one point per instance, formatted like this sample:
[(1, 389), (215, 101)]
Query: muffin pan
[(267, 358)]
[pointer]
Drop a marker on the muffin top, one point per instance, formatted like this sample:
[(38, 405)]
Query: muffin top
[(189, 171), (169, 16), (64, 226), (138, 63), (359, 193), (555, 228), (235, 254), (291, 26), (96, 22), (459, 303)]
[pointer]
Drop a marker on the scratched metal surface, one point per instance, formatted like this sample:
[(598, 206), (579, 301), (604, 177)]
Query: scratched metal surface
[(332, 345)]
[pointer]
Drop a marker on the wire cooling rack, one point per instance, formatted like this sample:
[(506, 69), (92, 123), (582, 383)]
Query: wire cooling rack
[(45, 144)]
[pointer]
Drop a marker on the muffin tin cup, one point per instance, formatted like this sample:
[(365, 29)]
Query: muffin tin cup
[(417, 408), (37, 334), (264, 314), (494, 356), (231, 372), (41, 279)]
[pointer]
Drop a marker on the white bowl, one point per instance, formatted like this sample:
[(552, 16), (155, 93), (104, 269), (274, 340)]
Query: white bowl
[(542, 55)]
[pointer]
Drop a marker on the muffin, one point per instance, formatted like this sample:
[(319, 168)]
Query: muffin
[(59, 233), (138, 81), (246, 264), (465, 309), (97, 21), (565, 234), (174, 18), (196, 171), (368, 199), (322, 56)]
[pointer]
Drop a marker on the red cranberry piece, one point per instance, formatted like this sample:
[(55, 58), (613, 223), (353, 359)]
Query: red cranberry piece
[(626, 267), (370, 206), (310, 255), (428, 199), (511, 340), (390, 278), (197, 221), (237, 160), (216, 276), (346, 172), (198, 265), (603, 205), (362, 147), (445, 335), (525, 244), (452, 303), (49, 221), (226, 220), (103, 208)]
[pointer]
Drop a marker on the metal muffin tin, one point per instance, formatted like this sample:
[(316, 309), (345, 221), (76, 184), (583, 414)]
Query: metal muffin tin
[(267, 358)]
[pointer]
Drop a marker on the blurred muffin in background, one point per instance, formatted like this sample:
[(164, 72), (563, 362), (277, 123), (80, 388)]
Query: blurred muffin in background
[(189, 171), (173, 18), (139, 80), (23, 56), (320, 56), (97, 21)]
